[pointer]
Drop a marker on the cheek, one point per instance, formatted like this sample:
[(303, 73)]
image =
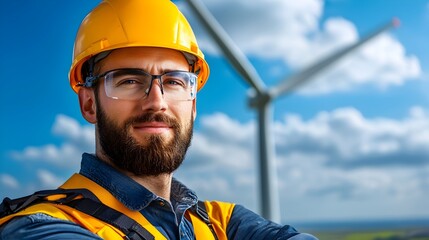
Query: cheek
[(184, 113), (117, 110)]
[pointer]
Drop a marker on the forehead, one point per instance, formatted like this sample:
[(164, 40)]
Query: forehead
[(149, 58)]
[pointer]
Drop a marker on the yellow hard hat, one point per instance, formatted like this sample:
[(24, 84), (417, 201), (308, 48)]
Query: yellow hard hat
[(117, 24)]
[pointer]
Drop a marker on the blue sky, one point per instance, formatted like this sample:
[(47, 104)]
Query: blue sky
[(352, 144)]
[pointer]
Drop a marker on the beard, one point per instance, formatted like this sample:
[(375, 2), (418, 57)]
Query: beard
[(157, 156)]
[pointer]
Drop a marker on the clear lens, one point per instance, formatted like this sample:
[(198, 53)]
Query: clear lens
[(134, 84)]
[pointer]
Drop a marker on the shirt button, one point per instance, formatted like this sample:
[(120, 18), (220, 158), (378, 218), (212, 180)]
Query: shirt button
[(161, 203)]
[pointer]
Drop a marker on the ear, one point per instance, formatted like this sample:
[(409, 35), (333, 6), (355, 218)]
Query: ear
[(87, 104)]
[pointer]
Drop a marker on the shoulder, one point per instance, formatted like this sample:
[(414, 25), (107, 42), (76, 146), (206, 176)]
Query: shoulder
[(245, 224), (219, 212), (218, 209), (43, 226)]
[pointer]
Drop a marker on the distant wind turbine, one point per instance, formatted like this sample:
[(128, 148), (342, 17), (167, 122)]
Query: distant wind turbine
[(262, 98)]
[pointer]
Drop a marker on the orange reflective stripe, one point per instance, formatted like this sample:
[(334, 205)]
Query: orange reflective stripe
[(90, 223), (69, 214), (219, 215), (39, 208), (79, 181), (201, 229)]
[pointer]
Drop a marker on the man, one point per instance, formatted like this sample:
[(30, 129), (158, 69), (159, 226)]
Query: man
[(137, 68)]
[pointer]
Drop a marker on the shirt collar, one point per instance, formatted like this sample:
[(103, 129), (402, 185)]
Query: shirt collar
[(126, 190)]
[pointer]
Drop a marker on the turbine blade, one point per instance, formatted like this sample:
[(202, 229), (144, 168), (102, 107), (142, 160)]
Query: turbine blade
[(238, 60), (291, 83)]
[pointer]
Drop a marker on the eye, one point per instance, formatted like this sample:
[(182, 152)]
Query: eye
[(127, 81), (174, 82)]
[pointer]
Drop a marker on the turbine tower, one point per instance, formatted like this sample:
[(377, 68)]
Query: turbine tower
[(263, 97)]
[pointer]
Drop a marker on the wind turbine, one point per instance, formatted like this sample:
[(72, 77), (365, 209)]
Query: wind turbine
[(263, 97)]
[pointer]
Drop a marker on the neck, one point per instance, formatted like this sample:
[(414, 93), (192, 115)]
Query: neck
[(160, 185)]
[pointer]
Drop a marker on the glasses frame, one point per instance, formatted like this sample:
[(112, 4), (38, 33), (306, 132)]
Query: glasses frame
[(91, 81)]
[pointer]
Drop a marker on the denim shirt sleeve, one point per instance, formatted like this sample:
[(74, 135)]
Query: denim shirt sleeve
[(42, 226), (245, 224)]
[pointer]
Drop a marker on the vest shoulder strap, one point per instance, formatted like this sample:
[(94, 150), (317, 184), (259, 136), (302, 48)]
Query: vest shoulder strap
[(219, 215), (60, 196), (83, 201), (131, 228), (86, 202), (201, 223)]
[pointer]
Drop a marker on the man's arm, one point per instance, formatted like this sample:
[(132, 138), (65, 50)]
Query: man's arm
[(245, 224), (42, 226)]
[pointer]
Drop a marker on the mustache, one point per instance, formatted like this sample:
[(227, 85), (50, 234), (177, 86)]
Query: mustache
[(153, 117)]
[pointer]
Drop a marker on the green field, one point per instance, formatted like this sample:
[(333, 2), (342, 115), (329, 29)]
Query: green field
[(401, 234)]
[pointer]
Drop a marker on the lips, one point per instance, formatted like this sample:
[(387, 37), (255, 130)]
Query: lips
[(152, 124), (152, 127)]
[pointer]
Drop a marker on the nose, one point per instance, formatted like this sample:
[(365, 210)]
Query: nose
[(154, 100)]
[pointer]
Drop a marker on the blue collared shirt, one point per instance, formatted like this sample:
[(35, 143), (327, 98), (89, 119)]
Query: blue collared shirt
[(167, 218)]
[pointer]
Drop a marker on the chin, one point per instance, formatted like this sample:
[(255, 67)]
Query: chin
[(145, 140)]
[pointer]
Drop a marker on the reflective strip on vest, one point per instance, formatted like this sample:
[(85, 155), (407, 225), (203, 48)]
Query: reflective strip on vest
[(219, 214)]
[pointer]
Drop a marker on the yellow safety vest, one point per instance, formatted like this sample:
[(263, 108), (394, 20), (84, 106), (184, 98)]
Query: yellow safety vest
[(219, 214)]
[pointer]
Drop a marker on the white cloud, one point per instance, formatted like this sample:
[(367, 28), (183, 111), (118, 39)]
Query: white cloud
[(340, 157), (48, 180), (9, 181), (381, 63), (228, 138), (69, 128), (337, 156), (289, 30), (348, 139), (78, 139)]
